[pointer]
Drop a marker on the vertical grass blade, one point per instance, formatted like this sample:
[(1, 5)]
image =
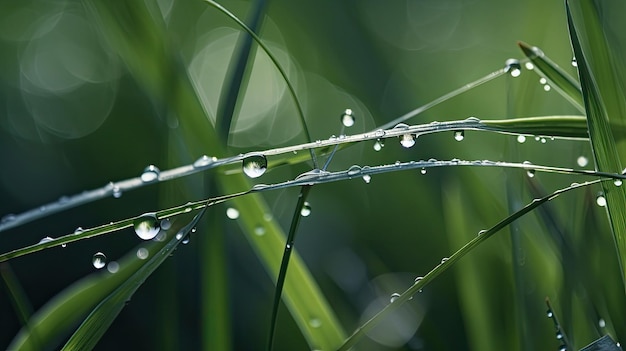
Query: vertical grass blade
[(604, 100)]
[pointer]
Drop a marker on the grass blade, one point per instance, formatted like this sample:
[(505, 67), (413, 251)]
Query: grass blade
[(282, 273), (604, 102), (565, 84)]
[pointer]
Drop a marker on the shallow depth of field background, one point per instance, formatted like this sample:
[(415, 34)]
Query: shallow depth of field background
[(73, 118)]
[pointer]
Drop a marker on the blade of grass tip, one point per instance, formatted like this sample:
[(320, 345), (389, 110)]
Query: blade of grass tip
[(445, 265), (98, 321), (68, 308), (565, 84), (280, 69), (604, 102), (282, 274)]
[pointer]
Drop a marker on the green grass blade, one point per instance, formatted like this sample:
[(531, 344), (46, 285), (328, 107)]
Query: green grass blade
[(98, 321), (604, 102), (282, 273), (66, 310), (565, 84)]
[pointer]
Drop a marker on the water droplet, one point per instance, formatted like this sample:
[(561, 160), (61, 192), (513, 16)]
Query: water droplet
[(347, 118), (150, 174), (549, 313), (547, 87), (601, 200), (582, 161), (142, 253), (601, 323), (78, 230), (179, 235), (379, 133), (417, 281), (472, 119), (259, 230), (147, 226), (113, 267), (443, 260), (459, 135), (203, 161), (513, 67), (193, 230), (394, 297), (354, 170), (542, 140), (306, 209), (559, 335), (543, 81), (482, 232), (232, 213), (161, 236), (529, 66), (423, 170), (407, 140), (378, 145), (8, 218), (99, 260), (521, 139), (574, 62), (288, 246), (185, 240), (45, 240), (617, 182), (529, 172), (166, 224), (117, 193), (367, 178), (562, 348), (254, 166), (315, 322)]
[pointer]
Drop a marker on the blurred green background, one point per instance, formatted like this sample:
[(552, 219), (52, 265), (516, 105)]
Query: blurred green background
[(72, 118)]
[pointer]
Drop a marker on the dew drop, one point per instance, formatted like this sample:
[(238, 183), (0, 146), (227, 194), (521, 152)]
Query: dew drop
[(601, 323), (99, 260), (394, 297), (354, 170), (45, 240), (315, 322), (232, 213), (574, 62), (562, 348), (150, 174), (203, 161), (185, 240), (379, 133), (113, 267), (378, 145), (8, 218), (193, 230), (529, 66), (459, 135), (147, 226), (367, 178), (521, 139), (529, 172), (559, 335), (259, 230), (78, 230), (347, 118), (582, 161), (142, 253), (305, 211), (407, 140), (117, 193), (601, 200), (542, 140), (179, 235), (443, 260), (617, 182), (166, 224), (513, 67), (423, 170), (549, 314), (254, 166), (543, 81), (417, 281), (482, 232), (161, 236), (547, 87)]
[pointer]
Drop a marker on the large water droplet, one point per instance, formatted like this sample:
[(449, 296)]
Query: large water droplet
[(254, 166), (150, 174), (203, 161), (407, 140), (521, 139), (582, 161), (617, 182), (347, 118), (142, 253), (601, 200), (99, 260), (459, 135), (529, 172), (378, 145), (423, 170), (305, 211), (147, 226), (232, 213), (394, 297), (513, 67)]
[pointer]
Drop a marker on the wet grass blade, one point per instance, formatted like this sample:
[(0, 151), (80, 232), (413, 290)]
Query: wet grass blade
[(604, 102), (565, 84), (282, 273)]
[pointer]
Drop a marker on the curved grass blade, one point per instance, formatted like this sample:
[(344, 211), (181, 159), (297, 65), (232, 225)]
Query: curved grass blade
[(73, 304), (282, 274), (604, 102), (99, 320), (565, 84), (445, 265)]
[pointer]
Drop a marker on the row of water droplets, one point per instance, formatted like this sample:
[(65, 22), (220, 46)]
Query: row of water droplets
[(395, 296)]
